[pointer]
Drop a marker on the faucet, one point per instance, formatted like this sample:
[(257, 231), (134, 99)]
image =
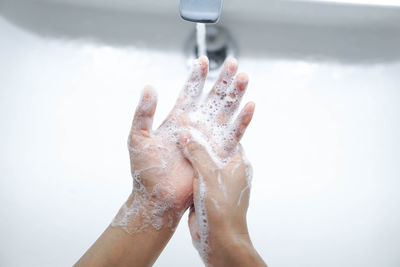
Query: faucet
[(204, 11)]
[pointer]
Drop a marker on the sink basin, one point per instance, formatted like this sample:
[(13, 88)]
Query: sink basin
[(291, 29), (323, 143)]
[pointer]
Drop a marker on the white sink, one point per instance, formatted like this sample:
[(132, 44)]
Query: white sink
[(291, 29), (324, 141)]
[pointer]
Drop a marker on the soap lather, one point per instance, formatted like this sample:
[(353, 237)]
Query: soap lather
[(203, 11)]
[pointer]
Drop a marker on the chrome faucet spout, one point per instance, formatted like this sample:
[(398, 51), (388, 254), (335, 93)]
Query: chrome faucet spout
[(204, 11)]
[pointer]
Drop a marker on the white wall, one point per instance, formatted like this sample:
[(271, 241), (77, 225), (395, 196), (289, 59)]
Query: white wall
[(323, 143)]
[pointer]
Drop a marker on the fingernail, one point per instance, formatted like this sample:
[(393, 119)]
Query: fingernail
[(146, 93)]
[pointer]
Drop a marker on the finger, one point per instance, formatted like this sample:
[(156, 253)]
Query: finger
[(225, 79), (226, 108), (236, 92), (145, 110), (198, 155), (195, 83), (242, 122)]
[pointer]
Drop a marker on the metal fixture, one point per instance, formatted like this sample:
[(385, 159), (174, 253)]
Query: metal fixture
[(219, 43), (203, 11)]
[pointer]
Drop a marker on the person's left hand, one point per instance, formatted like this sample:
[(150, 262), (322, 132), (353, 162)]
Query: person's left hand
[(162, 177)]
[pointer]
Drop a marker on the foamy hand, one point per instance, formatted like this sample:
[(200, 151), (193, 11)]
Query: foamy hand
[(217, 221), (211, 117), (222, 181), (162, 177)]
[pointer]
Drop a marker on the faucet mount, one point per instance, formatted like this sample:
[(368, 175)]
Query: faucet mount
[(219, 44)]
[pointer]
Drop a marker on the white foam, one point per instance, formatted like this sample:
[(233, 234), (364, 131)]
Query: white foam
[(202, 220), (195, 83), (249, 174), (147, 206)]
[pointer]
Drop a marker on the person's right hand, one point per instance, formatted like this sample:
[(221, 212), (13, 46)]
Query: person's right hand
[(217, 221), (221, 187)]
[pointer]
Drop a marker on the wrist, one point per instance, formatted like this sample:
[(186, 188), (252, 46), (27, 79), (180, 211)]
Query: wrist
[(140, 213), (230, 244), (234, 250)]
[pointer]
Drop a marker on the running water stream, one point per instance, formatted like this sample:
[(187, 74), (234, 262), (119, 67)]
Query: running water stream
[(201, 39)]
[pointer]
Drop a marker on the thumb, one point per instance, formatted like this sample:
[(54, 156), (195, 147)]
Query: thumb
[(197, 154)]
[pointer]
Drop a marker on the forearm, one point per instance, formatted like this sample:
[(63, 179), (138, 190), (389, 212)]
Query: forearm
[(117, 247)]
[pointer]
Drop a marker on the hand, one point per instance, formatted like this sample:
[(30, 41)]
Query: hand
[(162, 177), (221, 187), (217, 221)]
